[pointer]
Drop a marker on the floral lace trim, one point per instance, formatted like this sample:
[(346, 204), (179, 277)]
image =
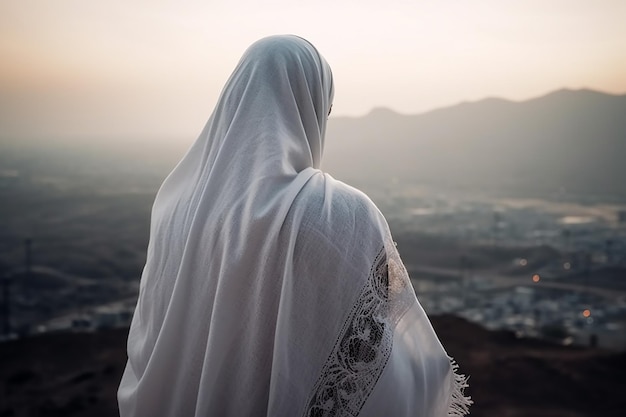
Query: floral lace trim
[(361, 351)]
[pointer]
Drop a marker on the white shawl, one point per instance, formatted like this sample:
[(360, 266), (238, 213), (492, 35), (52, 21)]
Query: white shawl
[(270, 288)]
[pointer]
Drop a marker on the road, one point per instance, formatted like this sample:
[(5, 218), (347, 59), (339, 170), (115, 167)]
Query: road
[(501, 281)]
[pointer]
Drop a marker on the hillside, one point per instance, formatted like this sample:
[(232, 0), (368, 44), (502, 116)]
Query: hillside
[(572, 140), (68, 374)]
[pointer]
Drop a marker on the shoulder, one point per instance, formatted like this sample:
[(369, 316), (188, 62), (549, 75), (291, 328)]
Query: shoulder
[(330, 210), (325, 196)]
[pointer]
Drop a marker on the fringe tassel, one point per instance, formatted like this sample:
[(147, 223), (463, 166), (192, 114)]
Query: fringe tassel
[(459, 402)]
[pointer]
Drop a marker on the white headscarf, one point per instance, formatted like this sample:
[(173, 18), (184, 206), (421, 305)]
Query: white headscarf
[(271, 289)]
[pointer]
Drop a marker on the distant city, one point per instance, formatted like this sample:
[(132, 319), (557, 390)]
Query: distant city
[(545, 269), (573, 291), (509, 224)]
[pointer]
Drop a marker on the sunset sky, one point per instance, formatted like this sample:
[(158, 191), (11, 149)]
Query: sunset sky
[(152, 70)]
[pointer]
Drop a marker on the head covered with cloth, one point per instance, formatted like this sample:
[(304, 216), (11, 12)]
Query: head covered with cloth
[(270, 288)]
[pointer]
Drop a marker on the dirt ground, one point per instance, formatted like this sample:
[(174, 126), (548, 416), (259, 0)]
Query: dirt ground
[(68, 374)]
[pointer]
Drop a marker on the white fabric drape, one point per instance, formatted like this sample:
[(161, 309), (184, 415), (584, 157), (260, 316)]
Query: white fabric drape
[(271, 289)]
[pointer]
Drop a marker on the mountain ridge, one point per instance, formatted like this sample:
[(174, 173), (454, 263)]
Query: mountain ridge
[(488, 99), (548, 143)]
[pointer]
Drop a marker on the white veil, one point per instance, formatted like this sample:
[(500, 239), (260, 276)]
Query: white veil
[(271, 289)]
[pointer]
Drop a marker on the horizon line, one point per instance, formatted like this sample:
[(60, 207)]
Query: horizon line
[(389, 109)]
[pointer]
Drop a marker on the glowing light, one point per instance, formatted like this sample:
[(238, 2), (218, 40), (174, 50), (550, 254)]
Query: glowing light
[(523, 262), (567, 266), (536, 278), (586, 313)]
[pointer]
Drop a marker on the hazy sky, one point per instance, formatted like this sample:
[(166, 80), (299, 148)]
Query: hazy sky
[(153, 69)]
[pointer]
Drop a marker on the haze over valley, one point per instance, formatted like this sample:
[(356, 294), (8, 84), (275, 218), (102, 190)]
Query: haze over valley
[(509, 215), (542, 179)]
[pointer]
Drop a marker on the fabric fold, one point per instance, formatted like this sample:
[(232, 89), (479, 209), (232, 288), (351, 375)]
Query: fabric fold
[(270, 288)]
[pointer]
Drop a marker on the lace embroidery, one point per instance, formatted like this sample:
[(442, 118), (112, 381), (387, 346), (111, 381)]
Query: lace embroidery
[(361, 351)]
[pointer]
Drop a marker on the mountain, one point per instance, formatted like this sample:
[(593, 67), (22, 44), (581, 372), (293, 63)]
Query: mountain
[(569, 139)]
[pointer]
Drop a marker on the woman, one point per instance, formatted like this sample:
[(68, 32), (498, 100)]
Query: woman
[(271, 289)]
